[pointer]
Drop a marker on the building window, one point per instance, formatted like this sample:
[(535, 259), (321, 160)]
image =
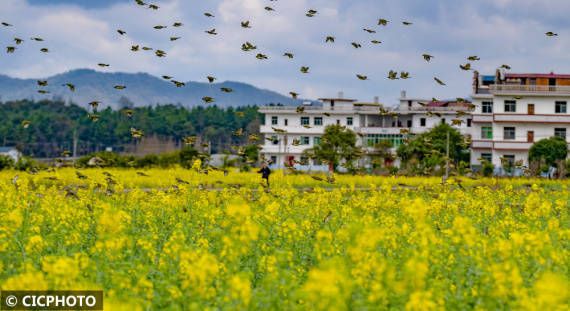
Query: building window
[(317, 141), (487, 157), (560, 132), (286, 122), (469, 121), (423, 122), (560, 107), (273, 159), (395, 139), (487, 107), (305, 121), (274, 139), (304, 161), (274, 121), (486, 132), (337, 122), (318, 121), (409, 123), (304, 140), (443, 121), (349, 121), (509, 133), (510, 106)]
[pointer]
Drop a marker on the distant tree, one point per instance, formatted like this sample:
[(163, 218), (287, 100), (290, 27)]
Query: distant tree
[(337, 144), (548, 150), (429, 149), (382, 153)]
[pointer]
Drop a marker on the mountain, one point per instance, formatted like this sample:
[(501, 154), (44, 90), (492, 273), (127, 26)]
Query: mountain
[(141, 90)]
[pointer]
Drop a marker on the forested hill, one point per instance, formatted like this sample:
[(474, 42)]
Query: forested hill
[(53, 124), (141, 90)]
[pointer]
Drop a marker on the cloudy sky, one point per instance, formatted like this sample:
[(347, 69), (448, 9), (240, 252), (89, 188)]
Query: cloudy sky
[(82, 33)]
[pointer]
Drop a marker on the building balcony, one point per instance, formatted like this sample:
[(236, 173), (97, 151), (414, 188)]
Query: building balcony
[(540, 90), (482, 118), (315, 130), (482, 144), (531, 118), (280, 148)]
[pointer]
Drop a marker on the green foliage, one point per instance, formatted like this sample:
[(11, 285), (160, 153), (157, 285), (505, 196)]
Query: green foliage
[(487, 169), (549, 150), (28, 164), (6, 162), (53, 124), (429, 148), (187, 156), (337, 144)]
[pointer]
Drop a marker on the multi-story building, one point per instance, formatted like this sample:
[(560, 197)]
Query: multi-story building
[(292, 131), (512, 111)]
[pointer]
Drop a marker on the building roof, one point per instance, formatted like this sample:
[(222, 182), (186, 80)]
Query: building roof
[(337, 99), (551, 75), (6, 149)]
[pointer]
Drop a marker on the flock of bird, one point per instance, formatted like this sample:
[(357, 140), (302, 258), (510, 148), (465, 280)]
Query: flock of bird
[(245, 47)]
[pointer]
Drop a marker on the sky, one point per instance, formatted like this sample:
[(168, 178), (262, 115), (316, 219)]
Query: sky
[(83, 33)]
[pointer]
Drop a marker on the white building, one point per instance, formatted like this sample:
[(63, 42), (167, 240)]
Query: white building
[(293, 132), (512, 111), (11, 152)]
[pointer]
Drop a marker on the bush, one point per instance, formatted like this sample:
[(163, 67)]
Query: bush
[(27, 164), (6, 162), (186, 156), (393, 170), (488, 169), (550, 150)]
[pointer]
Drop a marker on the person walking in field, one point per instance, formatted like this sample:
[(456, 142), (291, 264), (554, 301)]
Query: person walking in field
[(265, 171)]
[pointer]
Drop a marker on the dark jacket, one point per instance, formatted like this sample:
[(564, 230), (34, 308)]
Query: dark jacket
[(265, 171)]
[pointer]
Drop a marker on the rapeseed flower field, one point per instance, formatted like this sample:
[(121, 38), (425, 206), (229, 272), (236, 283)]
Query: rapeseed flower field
[(183, 240)]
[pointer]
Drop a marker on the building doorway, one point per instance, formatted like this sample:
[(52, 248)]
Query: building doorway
[(530, 136), (530, 108)]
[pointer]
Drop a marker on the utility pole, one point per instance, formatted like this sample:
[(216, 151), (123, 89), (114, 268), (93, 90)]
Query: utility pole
[(75, 143), (447, 159)]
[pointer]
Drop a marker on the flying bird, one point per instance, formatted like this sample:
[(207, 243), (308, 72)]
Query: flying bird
[(267, 8), (44, 50), (227, 90), (361, 77), (211, 79), (208, 100), (245, 24), (392, 75), (427, 57), (18, 40), (407, 23), (383, 22), (10, 49), (465, 67), (26, 124), (121, 32), (356, 45), (551, 34), (212, 32), (134, 48), (290, 55), (376, 42), (329, 39), (42, 83), (37, 39), (119, 87), (71, 86), (305, 69), (153, 6), (159, 27), (177, 25), (208, 14), (404, 75), (145, 48), (506, 67), (160, 53), (439, 81), (369, 30), (174, 38), (94, 105), (261, 56), (178, 83), (6, 24), (167, 77), (93, 117), (473, 58), (103, 65), (294, 95)]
